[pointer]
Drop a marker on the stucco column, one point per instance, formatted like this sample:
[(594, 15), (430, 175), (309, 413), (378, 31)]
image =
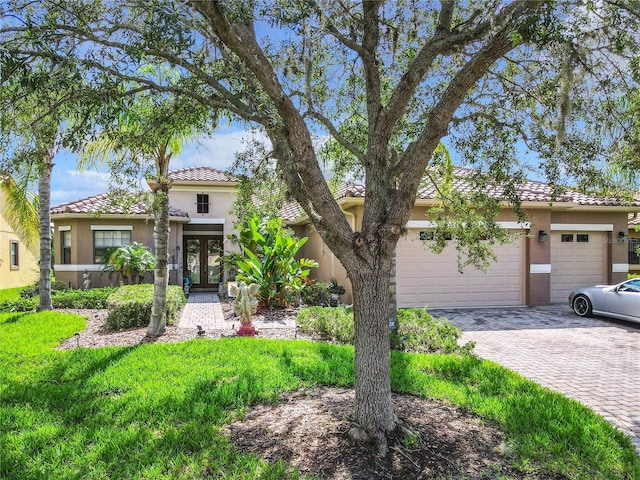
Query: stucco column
[(538, 265), (619, 250)]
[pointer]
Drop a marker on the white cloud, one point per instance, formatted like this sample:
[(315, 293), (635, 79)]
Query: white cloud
[(218, 151), (71, 185)]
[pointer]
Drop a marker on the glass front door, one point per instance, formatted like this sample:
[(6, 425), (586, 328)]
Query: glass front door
[(200, 261)]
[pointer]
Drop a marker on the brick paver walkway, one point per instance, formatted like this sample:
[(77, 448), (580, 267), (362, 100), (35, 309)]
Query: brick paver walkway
[(595, 361), (204, 309)]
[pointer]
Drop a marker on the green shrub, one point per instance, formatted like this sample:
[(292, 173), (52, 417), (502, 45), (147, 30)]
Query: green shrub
[(316, 294), (421, 333), (130, 306), (19, 305), (92, 298), (417, 330), (33, 290), (334, 323)]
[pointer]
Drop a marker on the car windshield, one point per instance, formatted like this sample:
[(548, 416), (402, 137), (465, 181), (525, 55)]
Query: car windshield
[(631, 285)]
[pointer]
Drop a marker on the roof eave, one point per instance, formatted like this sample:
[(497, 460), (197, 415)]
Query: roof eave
[(114, 216)]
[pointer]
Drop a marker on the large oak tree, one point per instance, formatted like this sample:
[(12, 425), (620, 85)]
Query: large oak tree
[(376, 86)]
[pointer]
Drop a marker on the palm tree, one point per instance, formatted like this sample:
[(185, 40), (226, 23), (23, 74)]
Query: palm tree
[(149, 130), (21, 209), (131, 261)]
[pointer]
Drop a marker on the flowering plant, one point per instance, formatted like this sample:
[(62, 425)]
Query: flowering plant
[(247, 330)]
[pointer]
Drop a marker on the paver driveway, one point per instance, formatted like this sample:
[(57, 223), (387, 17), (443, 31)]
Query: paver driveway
[(594, 361)]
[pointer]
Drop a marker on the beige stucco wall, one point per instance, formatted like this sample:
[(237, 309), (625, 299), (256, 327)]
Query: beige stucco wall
[(183, 197), (27, 271), (329, 265), (82, 246), (536, 285)]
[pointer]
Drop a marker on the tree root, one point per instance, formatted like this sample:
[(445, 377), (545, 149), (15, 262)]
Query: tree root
[(378, 438)]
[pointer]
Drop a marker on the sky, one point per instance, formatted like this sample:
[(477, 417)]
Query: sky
[(69, 185)]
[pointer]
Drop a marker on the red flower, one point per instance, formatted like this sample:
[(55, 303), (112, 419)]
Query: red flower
[(247, 330)]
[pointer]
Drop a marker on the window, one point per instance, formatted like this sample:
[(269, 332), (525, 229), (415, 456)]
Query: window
[(582, 237), (434, 235), (566, 237), (65, 245), (104, 239), (15, 259), (634, 244), (202, 203)]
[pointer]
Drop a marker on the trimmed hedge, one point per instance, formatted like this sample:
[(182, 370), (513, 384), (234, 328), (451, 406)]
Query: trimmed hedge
[(33, 290), (417, 330), (93, 298), (130, 306)]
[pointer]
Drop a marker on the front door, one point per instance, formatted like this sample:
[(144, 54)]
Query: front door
[(200, 261)]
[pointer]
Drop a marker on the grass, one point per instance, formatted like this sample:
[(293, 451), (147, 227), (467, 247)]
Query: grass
[(10, 294), (156, 410)]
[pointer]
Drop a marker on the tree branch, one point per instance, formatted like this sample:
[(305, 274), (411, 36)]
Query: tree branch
[(296, 156), (417, 155)]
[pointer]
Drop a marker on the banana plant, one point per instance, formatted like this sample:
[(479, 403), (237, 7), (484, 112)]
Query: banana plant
[(270, 261)]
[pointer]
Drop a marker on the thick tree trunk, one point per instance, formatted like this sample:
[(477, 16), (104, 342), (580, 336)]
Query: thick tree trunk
[(158, 322), (373, 406), (44, 194)]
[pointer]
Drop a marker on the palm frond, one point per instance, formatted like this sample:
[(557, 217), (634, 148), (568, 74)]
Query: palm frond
[(21, 210)]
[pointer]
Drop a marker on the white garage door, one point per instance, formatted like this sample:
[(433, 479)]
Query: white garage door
[(577, 260), (427, 279)]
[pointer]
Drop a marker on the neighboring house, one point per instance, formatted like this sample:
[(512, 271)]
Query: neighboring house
[(574, 241), (18, 264)]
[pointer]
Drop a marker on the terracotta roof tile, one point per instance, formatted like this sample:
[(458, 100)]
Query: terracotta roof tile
[(634, 220), (290, 211), (104, 203), (200, 174), (531, 191)]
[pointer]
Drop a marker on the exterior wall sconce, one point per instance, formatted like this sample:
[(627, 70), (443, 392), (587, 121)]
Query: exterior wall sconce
[(622, 237), (543, 236)]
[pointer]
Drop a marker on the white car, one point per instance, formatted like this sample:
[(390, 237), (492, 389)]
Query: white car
[(621, 301)]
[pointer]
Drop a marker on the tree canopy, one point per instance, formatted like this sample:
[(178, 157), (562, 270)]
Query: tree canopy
[(374, 86)]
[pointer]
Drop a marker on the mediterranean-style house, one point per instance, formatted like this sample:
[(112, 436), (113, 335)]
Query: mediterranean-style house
[(18, 263), (572, 241)]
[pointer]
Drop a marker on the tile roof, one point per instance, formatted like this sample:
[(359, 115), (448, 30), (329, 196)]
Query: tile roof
[(104, 203), (290, 211), (531, 191), (634, 219), (200, 174)]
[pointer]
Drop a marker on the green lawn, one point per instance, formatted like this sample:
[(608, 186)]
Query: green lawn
[(155, 410), (7, 294)]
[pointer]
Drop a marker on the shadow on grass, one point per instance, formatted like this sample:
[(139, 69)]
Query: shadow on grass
[(72, 419), (14, 318)]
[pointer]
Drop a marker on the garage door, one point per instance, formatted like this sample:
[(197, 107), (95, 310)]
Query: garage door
[(577, 260), (424, 278)]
